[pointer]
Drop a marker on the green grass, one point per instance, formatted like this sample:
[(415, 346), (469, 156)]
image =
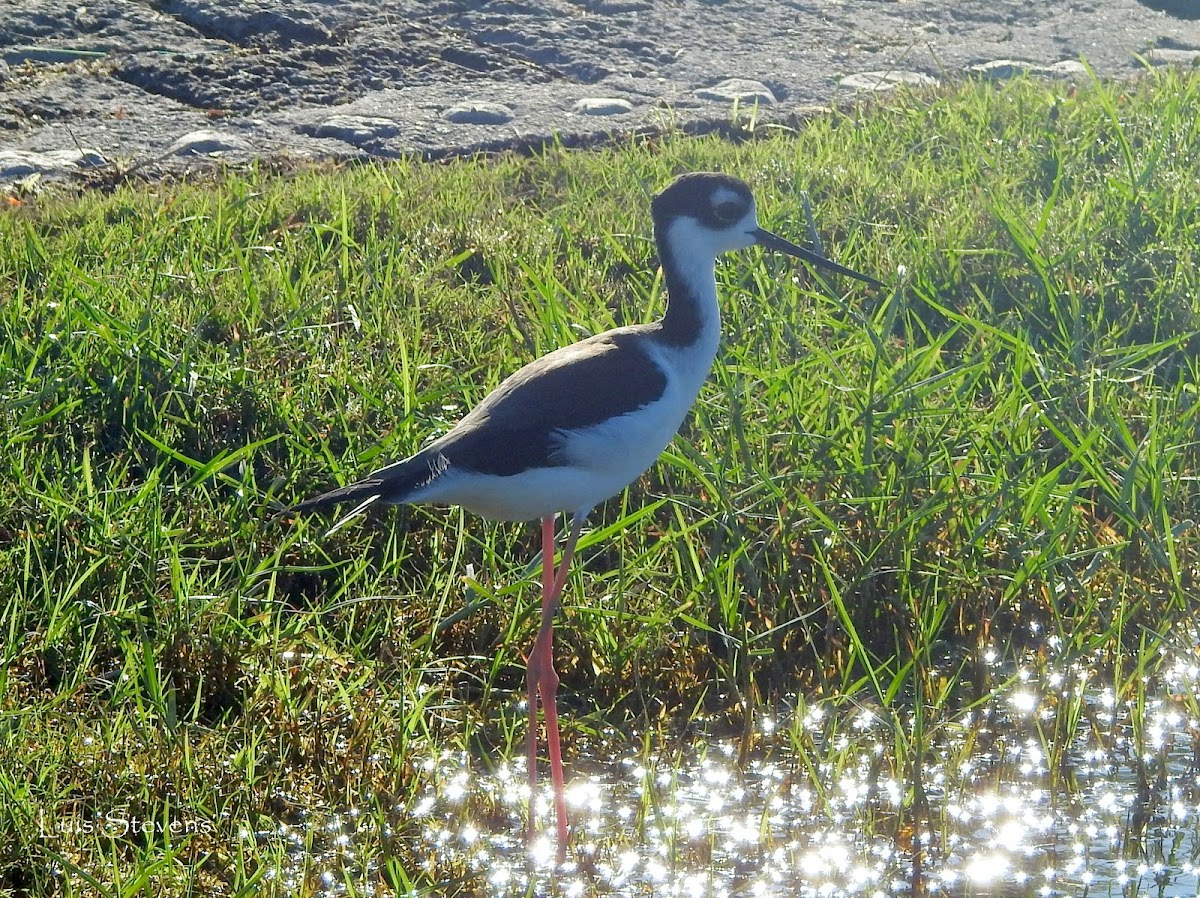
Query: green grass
[(998, 454)]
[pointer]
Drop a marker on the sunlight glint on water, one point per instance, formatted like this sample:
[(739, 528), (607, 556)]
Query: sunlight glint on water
[(1002, 817)]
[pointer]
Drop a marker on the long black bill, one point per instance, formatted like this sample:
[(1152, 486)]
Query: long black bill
[(773, 241)]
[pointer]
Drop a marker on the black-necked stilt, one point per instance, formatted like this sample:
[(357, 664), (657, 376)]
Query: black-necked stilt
[(577, 426)]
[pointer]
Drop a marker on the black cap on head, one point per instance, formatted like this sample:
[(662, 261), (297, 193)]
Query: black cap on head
[(715, 200)]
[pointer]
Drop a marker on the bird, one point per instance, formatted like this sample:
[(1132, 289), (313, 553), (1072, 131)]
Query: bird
[(576, 426)]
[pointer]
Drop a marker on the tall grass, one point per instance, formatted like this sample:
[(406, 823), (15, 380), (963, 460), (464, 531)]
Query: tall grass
[(874, 490)]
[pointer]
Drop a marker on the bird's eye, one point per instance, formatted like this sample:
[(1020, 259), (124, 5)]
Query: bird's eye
[(727, 211)]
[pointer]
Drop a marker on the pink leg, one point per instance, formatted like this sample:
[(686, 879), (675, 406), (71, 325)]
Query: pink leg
[(543, 680), (532, 671)]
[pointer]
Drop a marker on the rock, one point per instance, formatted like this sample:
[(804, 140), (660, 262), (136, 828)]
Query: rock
[(1172, 56), (251, 21), (356, 129), (738, 90), (615, 6), (886, 80), (601, 106), (207, 142), (478, 112), (1001, 69), (1185, 9), (16, 165)]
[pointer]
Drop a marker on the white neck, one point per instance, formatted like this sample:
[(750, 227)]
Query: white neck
[(693, 317)]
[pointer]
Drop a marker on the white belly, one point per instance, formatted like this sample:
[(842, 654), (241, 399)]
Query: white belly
[(598, 462)]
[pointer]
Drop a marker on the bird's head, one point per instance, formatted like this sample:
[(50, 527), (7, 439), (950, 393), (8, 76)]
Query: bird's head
[(708, 213)]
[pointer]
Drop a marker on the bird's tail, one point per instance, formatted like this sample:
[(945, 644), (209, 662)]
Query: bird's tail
[(363, 492), (393, 484)]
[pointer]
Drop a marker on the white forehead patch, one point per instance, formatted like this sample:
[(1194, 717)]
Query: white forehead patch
[(725, 195)]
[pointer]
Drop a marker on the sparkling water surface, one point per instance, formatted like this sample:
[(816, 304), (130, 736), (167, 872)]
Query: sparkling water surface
[(817, 808)]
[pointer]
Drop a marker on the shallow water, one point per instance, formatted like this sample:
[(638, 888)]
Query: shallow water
[(819, 810)]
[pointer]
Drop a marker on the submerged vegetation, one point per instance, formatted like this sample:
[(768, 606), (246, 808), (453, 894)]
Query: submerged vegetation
[(888, 515)]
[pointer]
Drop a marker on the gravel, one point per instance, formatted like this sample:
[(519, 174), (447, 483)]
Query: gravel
[(172, 83)]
